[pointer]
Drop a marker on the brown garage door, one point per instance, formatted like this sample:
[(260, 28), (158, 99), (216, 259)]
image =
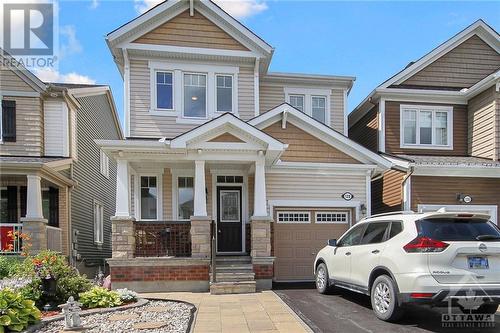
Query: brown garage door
[(299, 233)]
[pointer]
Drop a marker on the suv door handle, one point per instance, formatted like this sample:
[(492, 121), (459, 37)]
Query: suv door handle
[(375, 251), (348, 253)]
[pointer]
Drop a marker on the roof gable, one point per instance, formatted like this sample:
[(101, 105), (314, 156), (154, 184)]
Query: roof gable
[(287, 113), (191, 31), (226, 137), (462, 67)]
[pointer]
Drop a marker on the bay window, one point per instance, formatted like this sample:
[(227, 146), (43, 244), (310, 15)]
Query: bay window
[(195, 95), (224, 93), (426, 127)]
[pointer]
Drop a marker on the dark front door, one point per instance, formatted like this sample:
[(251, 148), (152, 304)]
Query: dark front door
[(229, 228)]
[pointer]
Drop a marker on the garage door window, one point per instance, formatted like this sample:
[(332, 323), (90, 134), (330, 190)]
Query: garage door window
[(294, 217), (332, 217)]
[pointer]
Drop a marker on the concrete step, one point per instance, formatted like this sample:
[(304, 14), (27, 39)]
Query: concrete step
[(234, 259), (228, 277), (234, 268), (242, 287)]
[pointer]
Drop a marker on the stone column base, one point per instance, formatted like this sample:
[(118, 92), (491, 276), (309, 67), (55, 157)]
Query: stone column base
[(36, 229), (261, 236), (122, 236), (263, 267), (200, 236)]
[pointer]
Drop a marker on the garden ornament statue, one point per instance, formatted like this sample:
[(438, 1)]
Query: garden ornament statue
[(71, 310)]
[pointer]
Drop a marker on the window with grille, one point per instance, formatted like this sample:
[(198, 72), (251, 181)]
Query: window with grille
[(332, 217), (230, 179), (294, 217)]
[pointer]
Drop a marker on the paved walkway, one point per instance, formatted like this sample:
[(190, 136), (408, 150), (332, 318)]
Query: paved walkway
[(244, 313)]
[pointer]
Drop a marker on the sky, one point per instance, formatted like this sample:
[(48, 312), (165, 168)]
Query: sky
[(369, 40)]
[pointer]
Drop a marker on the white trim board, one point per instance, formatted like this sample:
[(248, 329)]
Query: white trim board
[(491, 210)]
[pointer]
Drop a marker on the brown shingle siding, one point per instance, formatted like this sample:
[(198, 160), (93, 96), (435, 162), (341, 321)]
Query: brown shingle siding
[(365, 131), (387, 192)]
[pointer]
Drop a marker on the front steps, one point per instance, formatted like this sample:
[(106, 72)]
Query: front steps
[(234, 275)]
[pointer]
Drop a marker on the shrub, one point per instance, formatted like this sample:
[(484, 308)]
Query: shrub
[(49, 264), (126, 295), (8, 265), (99, 297), (16, 312)]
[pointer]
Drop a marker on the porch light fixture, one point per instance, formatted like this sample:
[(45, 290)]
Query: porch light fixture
[(363, 209), (464, 198)]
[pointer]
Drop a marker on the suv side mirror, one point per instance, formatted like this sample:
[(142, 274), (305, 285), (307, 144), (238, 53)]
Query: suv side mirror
[(332, 242)]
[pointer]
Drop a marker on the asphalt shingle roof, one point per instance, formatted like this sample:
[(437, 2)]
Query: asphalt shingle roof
[(450, 161)]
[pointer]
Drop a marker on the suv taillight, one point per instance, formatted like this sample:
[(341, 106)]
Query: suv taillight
[(425, 244)]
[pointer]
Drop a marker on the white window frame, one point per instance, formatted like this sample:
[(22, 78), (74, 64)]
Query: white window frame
[(206, 96), (308, 94), (433, 109), (325, 98), (292, 212), (179, 69), (233, 105), (346, 213), (98, 210), (154, 91), (289, 100), (175, 191), (159, 202), (104, 163)]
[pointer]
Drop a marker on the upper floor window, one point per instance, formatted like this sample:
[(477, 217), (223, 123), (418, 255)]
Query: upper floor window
[(164, 90), (319, 108), (426, 127), (195, 95), (297, 101), (312, 101), (224, 93)]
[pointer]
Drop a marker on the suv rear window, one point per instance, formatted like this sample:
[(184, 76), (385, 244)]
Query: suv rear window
[(453, 229)]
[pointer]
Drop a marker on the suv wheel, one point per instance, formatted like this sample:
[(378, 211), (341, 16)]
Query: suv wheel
[(384, 299), (322, 279)]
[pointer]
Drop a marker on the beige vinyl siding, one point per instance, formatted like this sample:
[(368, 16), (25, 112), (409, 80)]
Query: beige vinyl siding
[(272, 94), (290, 186), (246, 100), (481, 133), (142, 123), (497, 128), (191, 31), (462, 67), (11, 81), (29, 128)]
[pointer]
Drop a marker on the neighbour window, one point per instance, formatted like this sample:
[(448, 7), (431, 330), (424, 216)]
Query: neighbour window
[(297, 101), (104, 164), (185, 195), (375, 233), (195, 95), (426, 126), (224, 93), (319, 108), (164, 91), (149, 198), (98, 223), (332, 217), (294, 217)]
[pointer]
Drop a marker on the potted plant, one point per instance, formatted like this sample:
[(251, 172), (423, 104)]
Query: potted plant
[(43, 270)]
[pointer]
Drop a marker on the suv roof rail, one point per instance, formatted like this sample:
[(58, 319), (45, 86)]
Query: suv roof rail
[(389, 214)]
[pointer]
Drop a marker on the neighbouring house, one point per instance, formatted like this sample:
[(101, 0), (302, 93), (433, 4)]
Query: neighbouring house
[(211, 134), (55, 182), (438, 121)]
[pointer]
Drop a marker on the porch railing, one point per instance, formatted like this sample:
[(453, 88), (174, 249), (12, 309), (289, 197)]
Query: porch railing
[(162, 239), (54, 239), (8, 244)]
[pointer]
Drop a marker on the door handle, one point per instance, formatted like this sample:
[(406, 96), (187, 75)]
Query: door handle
[(219, 231), (348, 253), (375, 251)]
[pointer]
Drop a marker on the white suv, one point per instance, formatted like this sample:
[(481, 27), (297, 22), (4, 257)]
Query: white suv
[(398, 258)]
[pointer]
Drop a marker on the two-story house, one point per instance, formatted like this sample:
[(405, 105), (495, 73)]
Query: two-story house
[(438, 121), (213, 135), (56, 185)]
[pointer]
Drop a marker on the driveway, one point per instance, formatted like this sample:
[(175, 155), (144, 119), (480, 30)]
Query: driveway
[(345, 311)]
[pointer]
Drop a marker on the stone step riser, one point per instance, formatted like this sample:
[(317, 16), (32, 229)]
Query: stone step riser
[(221, 288)]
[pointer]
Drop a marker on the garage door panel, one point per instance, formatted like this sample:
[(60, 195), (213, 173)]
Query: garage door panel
[(296, 244)]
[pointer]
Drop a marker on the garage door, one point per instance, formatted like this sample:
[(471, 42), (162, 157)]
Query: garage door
[(299, 233)]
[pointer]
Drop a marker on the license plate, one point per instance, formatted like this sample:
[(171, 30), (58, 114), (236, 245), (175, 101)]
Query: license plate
[(478, 263)]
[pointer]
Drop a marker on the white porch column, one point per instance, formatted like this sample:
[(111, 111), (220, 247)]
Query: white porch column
[(34, 198), (200, 196), (122, 189), (260, 206)]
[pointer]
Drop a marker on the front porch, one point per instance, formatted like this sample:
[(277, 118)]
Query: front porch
[(33, 204)]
